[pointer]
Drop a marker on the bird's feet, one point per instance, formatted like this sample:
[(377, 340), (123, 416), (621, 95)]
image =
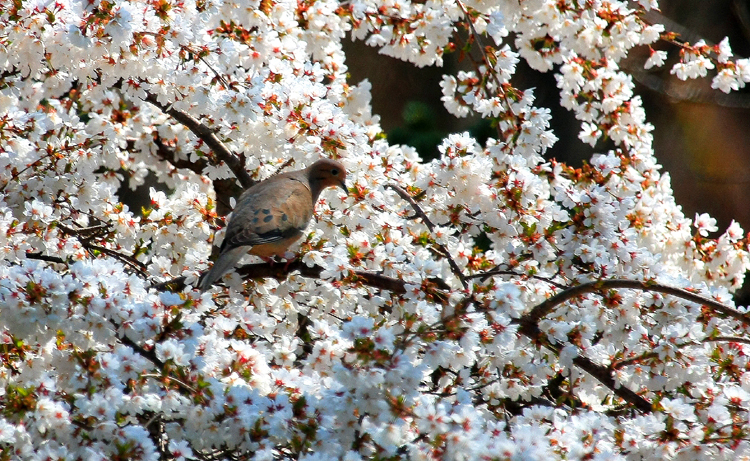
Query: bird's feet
[(289, 257)]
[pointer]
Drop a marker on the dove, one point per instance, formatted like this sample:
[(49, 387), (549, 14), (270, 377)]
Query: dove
[(273, 214)]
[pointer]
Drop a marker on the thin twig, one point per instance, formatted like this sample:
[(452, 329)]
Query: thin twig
[(182, 384), (86, 243), (129, 260), (426, 220), (33, 164), (284, 165), (485, 58), (150, 355), (490, 273), (199, 56)]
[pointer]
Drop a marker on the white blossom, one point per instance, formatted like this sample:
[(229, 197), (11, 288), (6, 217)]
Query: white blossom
[(467, 307)]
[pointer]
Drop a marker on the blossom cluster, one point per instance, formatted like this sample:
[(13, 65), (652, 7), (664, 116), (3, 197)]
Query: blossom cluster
[(488, 304)]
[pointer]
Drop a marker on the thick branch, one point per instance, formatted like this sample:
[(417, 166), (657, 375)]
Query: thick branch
[(547, 306), (600, 373), (282, 271), (42, 257), (207, 135), (528, 324)]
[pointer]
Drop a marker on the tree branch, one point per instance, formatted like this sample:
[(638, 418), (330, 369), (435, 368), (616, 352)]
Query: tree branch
[(426, 220), (42, 257), (547, 306), (168, 154), (650, 355), (528, 324), (149, 355), (282, 271), (207, 135), (490, 273), (94, 231), (600, 373)]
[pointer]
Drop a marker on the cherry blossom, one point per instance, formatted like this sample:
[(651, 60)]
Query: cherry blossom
[(490, 303)]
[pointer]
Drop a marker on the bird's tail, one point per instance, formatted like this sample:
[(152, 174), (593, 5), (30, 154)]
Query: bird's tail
[(224, 264)]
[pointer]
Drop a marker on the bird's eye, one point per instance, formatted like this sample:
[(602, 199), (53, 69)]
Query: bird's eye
[(335, 172)]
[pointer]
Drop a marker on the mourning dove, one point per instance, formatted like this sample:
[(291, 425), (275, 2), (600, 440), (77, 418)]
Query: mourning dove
[(273, 214)]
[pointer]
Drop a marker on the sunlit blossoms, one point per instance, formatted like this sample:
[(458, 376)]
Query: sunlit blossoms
[(489, 304)]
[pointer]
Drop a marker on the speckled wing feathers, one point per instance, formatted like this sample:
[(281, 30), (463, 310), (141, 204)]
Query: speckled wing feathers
[(276, 212), (273, 214)]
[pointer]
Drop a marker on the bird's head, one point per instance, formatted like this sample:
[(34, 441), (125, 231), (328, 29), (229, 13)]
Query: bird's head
[(327, 173)]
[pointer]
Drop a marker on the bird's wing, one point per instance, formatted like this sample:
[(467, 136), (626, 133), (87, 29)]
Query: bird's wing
[(274, 210)]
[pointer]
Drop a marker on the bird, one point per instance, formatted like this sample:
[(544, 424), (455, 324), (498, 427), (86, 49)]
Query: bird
[(273, 214)]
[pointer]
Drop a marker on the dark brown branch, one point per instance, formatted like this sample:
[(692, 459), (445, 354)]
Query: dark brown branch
[(224, 188), (42, 257), (415, 206), (600, 373), (149, 355), (531, 330), (528, 324), (651, 355), (426, 220), (281, 272), (169, 155), (129, 260), (490, 273), (547, 306), (207, 135), (85, 240)]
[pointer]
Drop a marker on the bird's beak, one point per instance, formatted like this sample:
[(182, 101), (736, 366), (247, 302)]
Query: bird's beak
[(343, 186)]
